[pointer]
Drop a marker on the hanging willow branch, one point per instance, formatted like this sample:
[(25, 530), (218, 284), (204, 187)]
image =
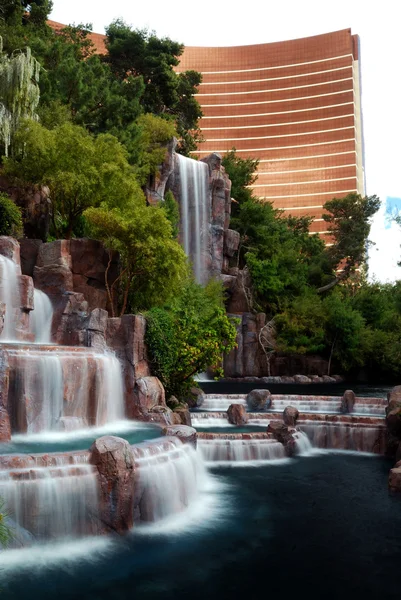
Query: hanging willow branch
[(19, 92)]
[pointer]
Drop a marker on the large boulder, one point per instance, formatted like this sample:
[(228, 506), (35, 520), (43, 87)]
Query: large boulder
[(348, 401), (183, 414), (9, 247), (237, 414), (394, 480), (148, 393), (114, 461), (259, 400), (290, 415), (187, 435), (195, 397), (284, 434)]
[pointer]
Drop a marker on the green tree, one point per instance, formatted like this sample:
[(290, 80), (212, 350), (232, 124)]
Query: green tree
[(10, 217), (154, 134), (80, 170), (188, 335), (344, 332), (152, 264), (242, 174), (140, 53), (349, 226), (301, 327), (172, 210)]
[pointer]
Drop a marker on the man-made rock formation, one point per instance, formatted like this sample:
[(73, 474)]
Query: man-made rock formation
[(290, 416), (195, 397), (283, 434), (348, 401), (187, 435), (35, 204), (113, 459), (237, 414), (77, 265), (258, 399)]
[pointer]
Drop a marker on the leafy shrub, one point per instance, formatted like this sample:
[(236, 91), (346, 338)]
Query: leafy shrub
[(10, 217)]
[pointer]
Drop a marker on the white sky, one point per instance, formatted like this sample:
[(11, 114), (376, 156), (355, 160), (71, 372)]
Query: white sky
[(220, 23)]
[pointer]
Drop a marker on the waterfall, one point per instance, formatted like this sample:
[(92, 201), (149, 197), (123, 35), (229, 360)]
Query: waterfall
[(221, 403), (170, 474), (41, 318), (194, 178), (302, 443), (52, 502), (224, 449), (63, 389), (10, 296), (110, 404)]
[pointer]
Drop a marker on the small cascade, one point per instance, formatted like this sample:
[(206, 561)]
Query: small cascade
[(10, 296), (237, 448), (370, 406), (302, 443), (213, 419), (63, 389), (110, 404), (312, 404), (52, 502), (41, 317), (357, 437), (194, 178), (170, 476), (221, 403)]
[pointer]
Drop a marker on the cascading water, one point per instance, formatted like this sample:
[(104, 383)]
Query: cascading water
[(41, 317), (195, 213), (61, 388), (170, 476), (258, 448), (10, 296), (302, 443), (52, 502)]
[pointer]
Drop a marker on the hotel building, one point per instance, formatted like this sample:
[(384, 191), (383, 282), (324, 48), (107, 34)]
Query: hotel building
[(293, 105)]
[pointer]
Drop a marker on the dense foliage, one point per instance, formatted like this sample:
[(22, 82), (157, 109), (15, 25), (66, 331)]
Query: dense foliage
[(316, 296), (5, 531), (188, 335), (10, 217)]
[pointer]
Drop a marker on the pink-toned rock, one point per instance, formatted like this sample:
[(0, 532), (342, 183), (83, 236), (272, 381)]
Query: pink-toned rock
[(238, 301), (290, 415), (195, 397), (114, 461), (187, 435), (148, 393), (29, 250), (301, 379), (5, 427), (259, 399), (394, 480), (55, 253), (9, 247), (237, 414), (283, 434), (184, 416), (231, 242), (348, 401), (26, 290), (2, 316), (96, 327)]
